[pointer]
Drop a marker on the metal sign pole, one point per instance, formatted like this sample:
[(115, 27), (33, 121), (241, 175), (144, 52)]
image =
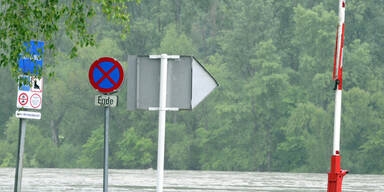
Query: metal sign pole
[(20, 153), (106, 129), (162, 117)]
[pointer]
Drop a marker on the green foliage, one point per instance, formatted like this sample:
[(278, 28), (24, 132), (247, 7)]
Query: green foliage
[(360, 60), (314, 38), (135, 151), (93, 150), (8, 86), (178, 146), (22, 21), (39, 151), (306, 128), (273, 110), (174, 43)]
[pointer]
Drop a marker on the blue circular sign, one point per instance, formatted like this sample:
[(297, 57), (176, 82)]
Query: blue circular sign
[(106, 75)]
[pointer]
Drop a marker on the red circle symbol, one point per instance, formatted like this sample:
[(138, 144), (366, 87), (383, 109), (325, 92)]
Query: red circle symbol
[(35, 101), (106, 75), (23, 99)]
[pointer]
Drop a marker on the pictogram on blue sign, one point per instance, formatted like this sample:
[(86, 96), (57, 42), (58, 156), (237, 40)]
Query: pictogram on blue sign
[(106, 75), (33, 61), (25, 83)]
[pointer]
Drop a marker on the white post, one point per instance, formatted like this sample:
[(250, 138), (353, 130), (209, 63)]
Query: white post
[(162, 116), (336, 133)]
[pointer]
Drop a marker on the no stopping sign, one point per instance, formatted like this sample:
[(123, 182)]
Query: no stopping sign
[(106, 75)]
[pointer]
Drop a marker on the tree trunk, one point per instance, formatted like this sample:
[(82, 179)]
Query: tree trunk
[(177, 4), (212, 18), (55, 129), (55, 133), (269, 146)]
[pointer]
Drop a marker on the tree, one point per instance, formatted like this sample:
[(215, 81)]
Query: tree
[(39, 150), (22, 21), (135, 151), (175, 43), (314, 38), (358, 61), (93, 151), (308, 136), (9, 87), (360, 122)]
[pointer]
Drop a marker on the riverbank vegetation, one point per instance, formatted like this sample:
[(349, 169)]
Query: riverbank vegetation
[(273, 110)]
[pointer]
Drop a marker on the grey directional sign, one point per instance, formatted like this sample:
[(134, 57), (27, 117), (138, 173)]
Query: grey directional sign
[(188, 83)]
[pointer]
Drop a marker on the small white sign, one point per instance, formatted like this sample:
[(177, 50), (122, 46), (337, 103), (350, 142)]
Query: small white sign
[(29, 100), (106, 100), (28, 115), (30, 96)]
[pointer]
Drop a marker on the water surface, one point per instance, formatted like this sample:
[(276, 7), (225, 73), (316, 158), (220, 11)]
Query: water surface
[(70, 180)]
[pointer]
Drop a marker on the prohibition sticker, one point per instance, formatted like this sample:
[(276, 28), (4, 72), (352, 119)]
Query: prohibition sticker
[(35, 101), (106, 75), (23, 99)]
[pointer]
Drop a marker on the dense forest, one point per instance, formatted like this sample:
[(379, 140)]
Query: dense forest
[(273, 110)]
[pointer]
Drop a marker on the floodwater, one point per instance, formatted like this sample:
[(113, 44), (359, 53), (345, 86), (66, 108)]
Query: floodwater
[(84, 180)]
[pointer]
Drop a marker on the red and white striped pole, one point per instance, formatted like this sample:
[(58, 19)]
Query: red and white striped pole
[(335, 176)]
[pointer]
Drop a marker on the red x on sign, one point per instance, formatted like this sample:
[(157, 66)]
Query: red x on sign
[(106, 75)]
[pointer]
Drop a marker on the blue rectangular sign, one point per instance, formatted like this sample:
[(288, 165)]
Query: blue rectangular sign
[(32, 63)]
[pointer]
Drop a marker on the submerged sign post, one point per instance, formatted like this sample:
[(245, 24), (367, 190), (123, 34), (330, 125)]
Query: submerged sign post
[(106, 75), (29, 96), (166, 83)]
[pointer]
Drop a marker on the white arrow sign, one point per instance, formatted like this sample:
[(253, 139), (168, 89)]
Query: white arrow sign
[(188, 82), (202, 83)]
